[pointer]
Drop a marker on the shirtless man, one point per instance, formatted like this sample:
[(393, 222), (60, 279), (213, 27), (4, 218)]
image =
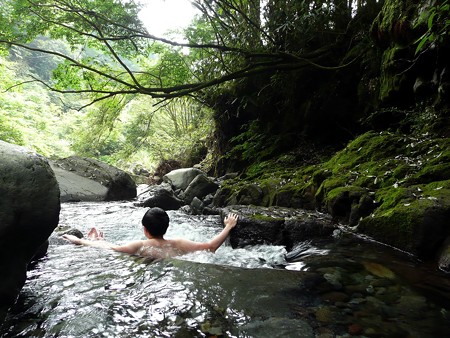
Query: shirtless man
[(156, 222)]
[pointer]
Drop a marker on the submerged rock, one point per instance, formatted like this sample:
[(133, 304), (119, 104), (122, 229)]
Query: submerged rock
[(379, 270)]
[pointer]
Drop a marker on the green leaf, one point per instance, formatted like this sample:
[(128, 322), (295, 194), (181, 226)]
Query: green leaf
[(430, 20)]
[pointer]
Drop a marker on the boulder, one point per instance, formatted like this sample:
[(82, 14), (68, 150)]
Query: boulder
[(420, 226), (277, 226), (161, 196), (181, 178), (29, 212), (199, 187), (85, 179)]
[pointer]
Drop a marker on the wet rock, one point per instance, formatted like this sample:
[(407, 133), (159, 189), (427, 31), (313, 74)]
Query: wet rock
[(423, 224), (29, 212), (444, 256), (55, 238), (335, 297), (334, 280), (86, 179), (251, 194), (161, 196), (324, 333), (276, 225), (412, 306)]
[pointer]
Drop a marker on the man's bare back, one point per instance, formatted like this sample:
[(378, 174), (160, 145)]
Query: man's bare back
[(156, 246)]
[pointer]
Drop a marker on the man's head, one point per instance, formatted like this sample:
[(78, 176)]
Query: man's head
[(156, 221)]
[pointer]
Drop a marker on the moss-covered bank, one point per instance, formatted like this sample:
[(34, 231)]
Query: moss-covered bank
[(394, 187)]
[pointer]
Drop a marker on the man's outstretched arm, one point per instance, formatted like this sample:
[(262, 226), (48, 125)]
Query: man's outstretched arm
[(87, 242), (129, 248), (190, 246)]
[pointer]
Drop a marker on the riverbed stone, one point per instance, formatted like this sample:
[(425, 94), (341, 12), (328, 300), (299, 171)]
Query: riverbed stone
[(278, 327), (29, 212), (86, 179)]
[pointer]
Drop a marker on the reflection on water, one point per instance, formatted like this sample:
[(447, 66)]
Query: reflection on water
[(338, 287)]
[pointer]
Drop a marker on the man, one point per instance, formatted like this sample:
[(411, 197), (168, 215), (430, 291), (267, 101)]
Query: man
[(156, 222)]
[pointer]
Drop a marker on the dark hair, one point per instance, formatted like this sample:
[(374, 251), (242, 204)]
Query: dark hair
[(156, 221)]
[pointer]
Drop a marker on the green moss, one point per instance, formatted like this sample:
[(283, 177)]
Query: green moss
[(394, 227), (390, 14), (349, 190), (390, 197), (330, 184), (438, 191)]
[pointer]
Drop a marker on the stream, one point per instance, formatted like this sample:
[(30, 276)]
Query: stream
[(335, 287)]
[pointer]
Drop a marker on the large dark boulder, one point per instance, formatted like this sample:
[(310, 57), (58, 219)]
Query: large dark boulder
[(161, 196), (86, 179), (29, 212), (200, 187)]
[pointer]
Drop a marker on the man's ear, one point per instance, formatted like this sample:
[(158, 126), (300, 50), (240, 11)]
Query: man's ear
[(147, 233)]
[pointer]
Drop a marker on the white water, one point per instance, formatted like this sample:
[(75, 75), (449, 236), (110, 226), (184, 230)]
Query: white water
[(121, 222)]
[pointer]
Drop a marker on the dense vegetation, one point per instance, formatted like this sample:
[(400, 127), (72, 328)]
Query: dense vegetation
[(269, 75)]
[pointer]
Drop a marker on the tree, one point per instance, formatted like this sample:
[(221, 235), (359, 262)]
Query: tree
[(235, 39)]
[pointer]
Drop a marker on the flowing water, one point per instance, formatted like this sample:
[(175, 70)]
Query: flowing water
[(334, 287)]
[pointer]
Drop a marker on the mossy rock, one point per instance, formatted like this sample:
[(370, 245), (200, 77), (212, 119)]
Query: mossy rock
[(396, 186), (418, 226), (349, 204), (433, 172)]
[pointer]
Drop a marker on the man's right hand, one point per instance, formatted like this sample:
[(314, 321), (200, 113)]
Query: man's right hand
[(231, 220)]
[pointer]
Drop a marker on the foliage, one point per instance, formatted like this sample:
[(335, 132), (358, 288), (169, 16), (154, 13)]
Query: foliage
[(437, 18), (29, 115), (105, 54), (135, 131), (252, 143), (233, 39)]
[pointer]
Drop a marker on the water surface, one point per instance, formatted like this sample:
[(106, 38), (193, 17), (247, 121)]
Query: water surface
[(336, 287)]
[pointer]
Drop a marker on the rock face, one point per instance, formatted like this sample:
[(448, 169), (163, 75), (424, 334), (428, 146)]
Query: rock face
[(85, 179), (29, 212)]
